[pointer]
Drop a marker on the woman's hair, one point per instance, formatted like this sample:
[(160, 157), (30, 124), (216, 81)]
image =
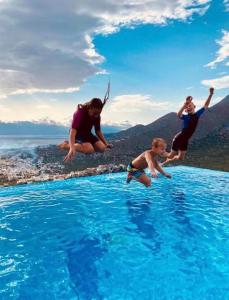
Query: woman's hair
[(96, 103)]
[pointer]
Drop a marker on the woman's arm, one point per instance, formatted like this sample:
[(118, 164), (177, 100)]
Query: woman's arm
[(72, 138), (72, 151), (102, 138)]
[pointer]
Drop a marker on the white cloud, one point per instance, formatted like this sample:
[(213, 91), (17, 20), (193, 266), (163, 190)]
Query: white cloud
[(47, 46), (226, 2), (223, 52), (135, 104), (134, 109), (4, 109), (43, 106), (218, 83), (34, 108)]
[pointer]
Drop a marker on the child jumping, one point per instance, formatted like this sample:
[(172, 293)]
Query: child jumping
[(148, 159), (190, 121)]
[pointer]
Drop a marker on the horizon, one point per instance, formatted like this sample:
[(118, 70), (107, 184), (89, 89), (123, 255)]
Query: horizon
[(138, 46), (106, 128)]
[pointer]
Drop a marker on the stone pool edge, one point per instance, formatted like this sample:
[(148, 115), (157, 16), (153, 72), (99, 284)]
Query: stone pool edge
[(101, 169)]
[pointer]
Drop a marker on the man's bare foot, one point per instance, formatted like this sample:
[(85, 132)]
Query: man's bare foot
[(64, 145)]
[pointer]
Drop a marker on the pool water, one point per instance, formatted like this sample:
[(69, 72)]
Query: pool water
[(98, 238)]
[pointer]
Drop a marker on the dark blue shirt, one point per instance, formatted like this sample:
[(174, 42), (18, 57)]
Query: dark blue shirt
[(190, 122)]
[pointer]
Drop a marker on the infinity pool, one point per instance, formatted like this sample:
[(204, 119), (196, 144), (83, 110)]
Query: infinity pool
[(98, 238)]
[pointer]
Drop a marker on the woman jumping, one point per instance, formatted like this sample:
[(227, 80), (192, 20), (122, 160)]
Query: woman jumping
[(81, 138)]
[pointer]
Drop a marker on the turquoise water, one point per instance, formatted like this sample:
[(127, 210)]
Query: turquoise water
[(98, 238)]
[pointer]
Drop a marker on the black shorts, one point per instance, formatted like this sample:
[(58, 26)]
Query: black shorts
[(90, 138), (180, 142)]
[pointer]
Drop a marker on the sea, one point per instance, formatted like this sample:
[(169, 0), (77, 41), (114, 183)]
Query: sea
[(11, 144)]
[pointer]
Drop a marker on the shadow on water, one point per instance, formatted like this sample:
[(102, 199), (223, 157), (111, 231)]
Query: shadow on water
[(81, 262), (140, 216), (178, 209)]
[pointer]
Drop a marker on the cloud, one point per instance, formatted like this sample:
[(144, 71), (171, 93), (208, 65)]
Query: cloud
[(134, 109), (110, 127), (135, 104), (223, 52), (47, 46), (226, 2), (218, 83), (43, 106)]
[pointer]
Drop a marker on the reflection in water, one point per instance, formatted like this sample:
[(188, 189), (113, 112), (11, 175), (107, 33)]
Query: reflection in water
[(140, 216), (178, 207), (81, 264), (179, 210)]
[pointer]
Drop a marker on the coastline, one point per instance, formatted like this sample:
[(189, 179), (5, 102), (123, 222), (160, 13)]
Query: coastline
[(32, 176), (45, 163)]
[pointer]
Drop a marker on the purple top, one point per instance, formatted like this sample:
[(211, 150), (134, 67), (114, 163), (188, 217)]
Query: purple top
[(83, 123)]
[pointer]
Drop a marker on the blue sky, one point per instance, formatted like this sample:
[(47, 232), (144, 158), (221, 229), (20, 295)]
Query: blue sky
[(155, 52)]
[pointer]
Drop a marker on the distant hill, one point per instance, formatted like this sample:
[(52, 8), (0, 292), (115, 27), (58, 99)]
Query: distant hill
[(32, 128), (45, 128), (210, 152), (209, 146), (214, 118)]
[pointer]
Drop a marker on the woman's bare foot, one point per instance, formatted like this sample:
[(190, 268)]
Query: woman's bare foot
[(64, 145)]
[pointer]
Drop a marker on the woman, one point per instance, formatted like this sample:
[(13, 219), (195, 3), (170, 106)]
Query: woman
[(81, 138)]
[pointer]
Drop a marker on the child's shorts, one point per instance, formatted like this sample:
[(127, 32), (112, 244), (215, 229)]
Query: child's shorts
[(180, 142), (134, 172)]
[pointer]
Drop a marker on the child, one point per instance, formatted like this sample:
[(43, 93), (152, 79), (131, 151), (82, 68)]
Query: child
[(81, 138), (190, 121), (148, 159)]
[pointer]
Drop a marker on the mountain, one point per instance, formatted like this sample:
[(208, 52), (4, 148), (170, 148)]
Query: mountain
[(210, 152), (167, 126)]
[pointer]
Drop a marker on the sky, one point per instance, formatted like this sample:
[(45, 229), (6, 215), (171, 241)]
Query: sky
[(54, 55)]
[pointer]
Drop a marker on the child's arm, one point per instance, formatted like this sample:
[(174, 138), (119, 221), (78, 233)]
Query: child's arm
[(180, 112), (159, 168), (150, 163), (166, 154), (207, 102)]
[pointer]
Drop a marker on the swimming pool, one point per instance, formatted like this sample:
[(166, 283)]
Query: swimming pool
[(98, 238)]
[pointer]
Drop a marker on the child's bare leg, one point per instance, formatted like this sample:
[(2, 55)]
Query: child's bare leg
[(180, 156), (172, 154), (170, 157), (144, 179)]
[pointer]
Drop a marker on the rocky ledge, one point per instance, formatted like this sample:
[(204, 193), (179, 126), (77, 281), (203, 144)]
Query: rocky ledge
[(27, 177)]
